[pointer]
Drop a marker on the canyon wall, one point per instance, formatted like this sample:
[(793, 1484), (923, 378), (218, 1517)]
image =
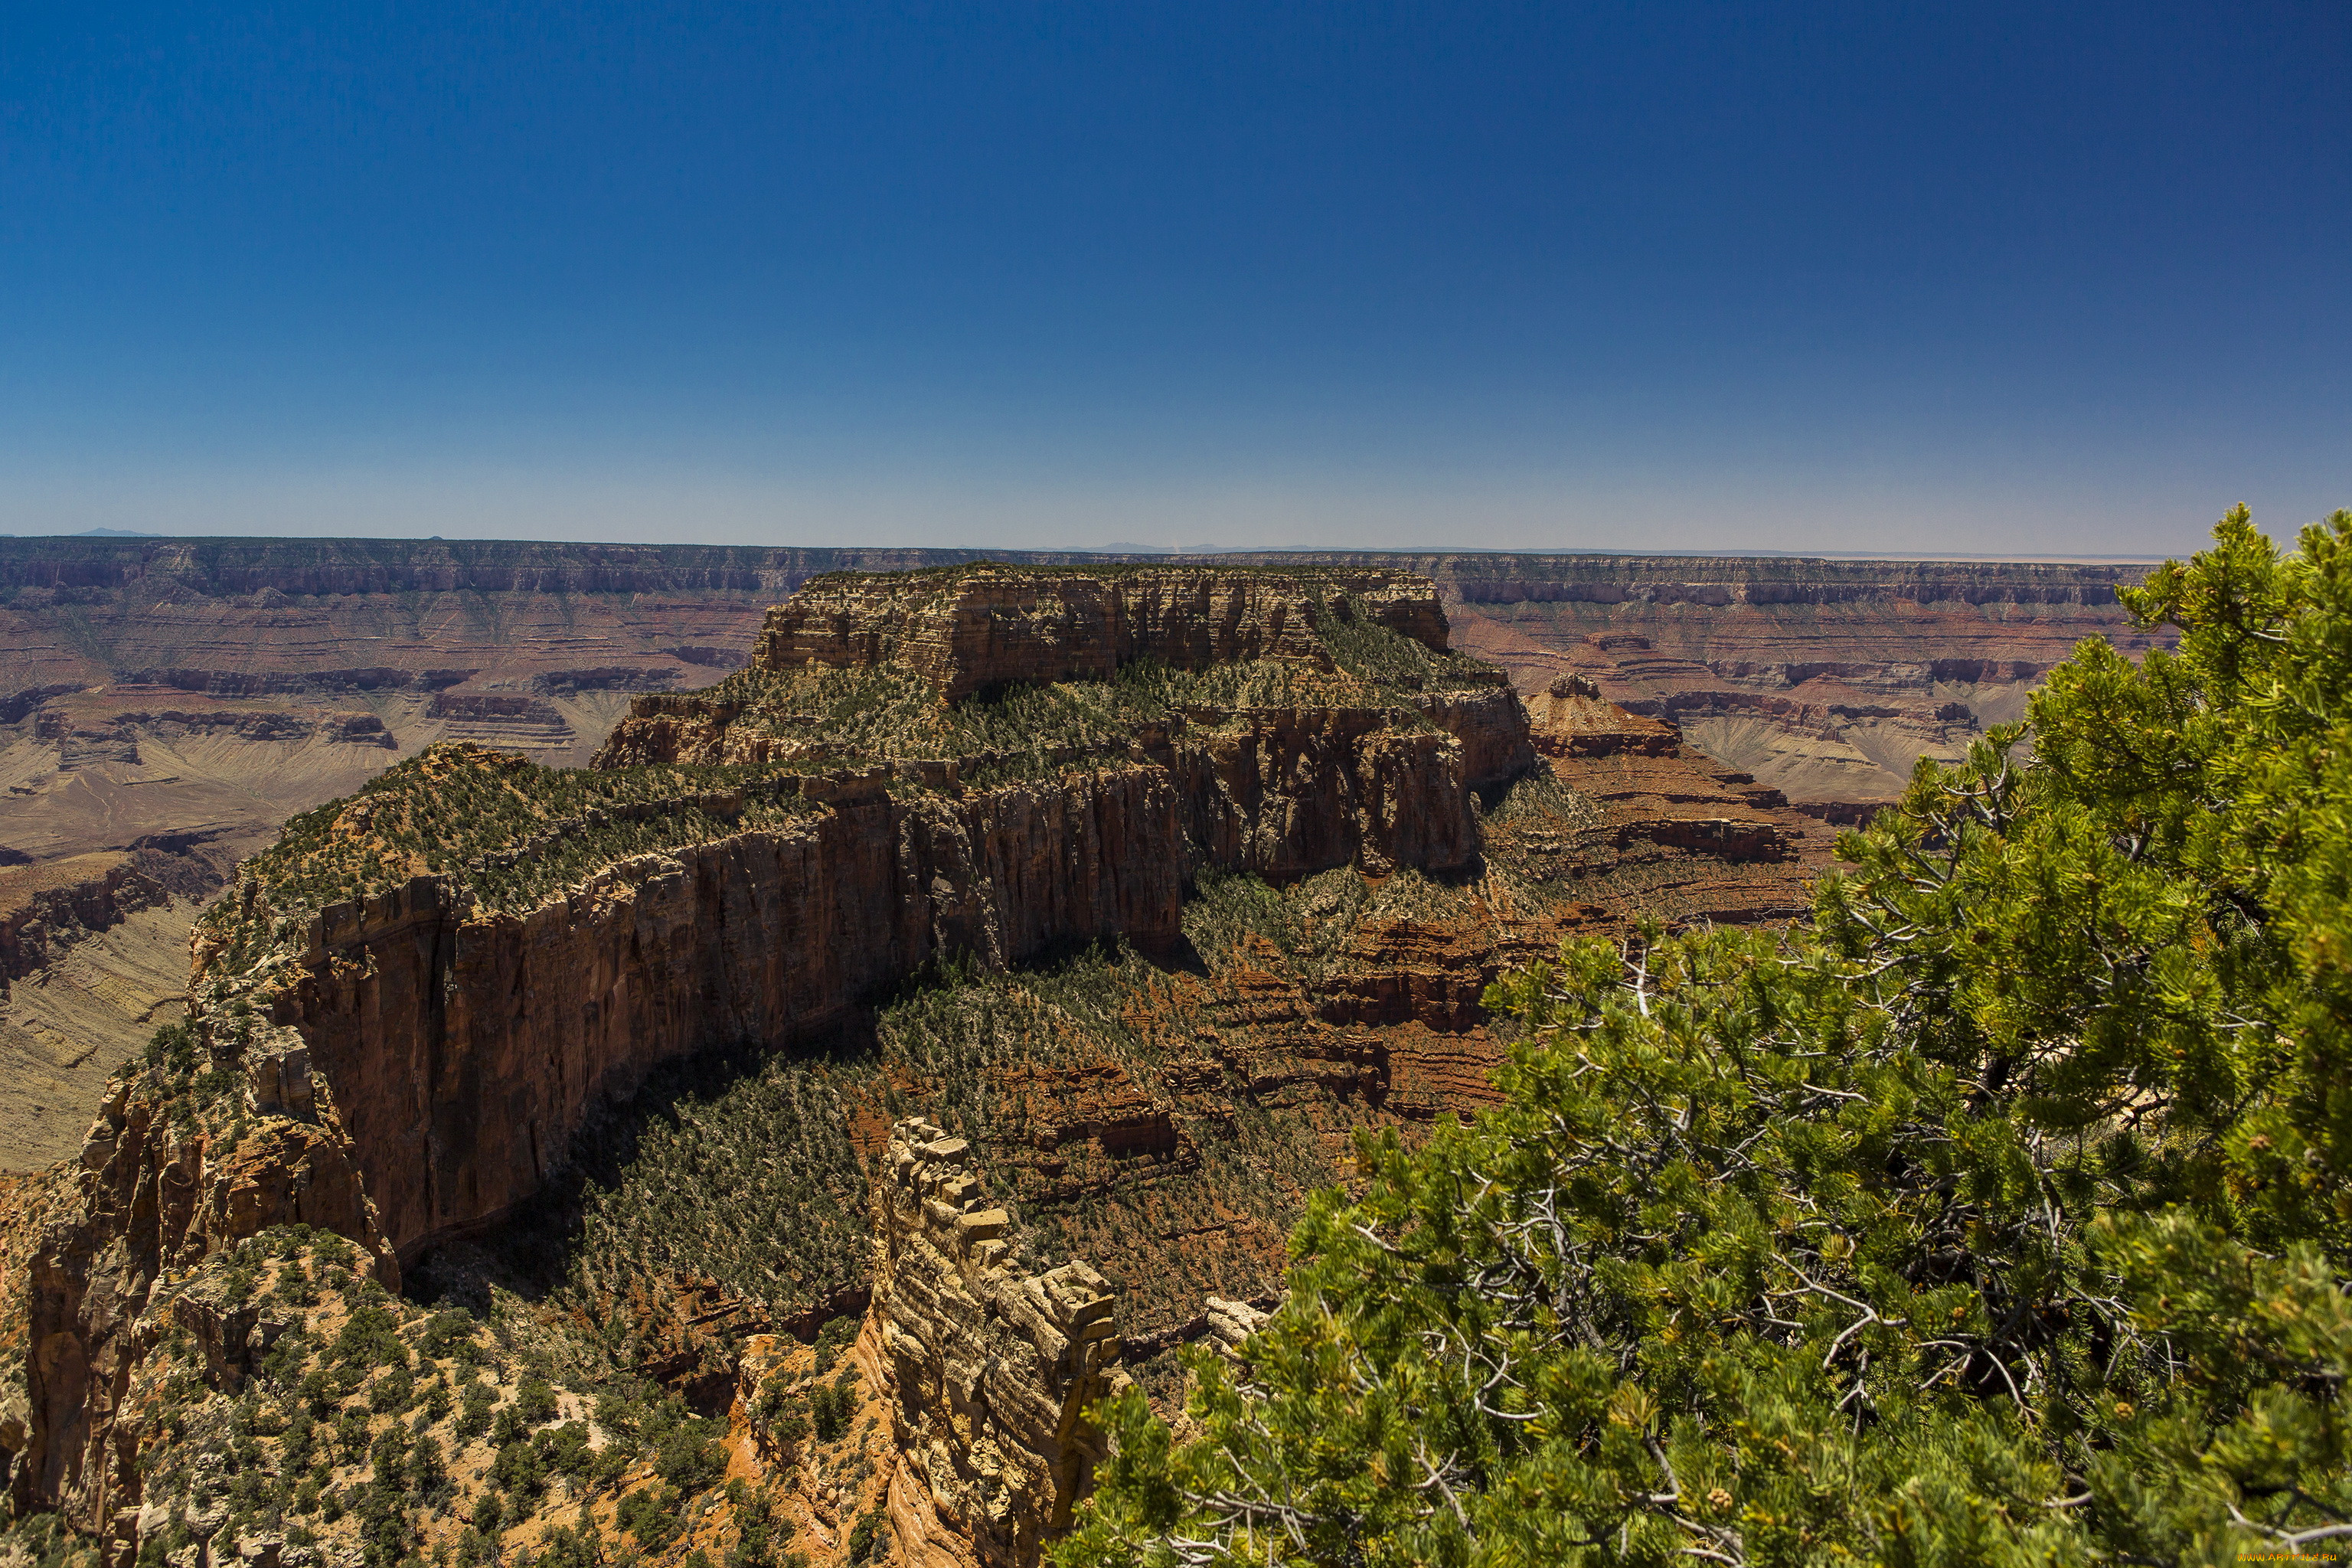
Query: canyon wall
[(1826, 680), (964, 631), (217, 687), (164, 1179), (466, 1048), (1824, 676)]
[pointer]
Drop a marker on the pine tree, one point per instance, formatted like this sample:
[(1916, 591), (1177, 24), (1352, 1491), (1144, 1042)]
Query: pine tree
[(2002, 1214)]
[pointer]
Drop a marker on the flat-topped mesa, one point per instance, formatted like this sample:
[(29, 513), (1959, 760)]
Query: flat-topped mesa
[(993, 1372), (967, 629), (474, 952)]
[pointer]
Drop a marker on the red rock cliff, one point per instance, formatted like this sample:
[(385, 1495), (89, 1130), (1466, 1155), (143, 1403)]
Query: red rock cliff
[(972, 628), (466, 1048)]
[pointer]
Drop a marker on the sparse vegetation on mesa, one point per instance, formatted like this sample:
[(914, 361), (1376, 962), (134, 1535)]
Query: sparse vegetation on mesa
[(511, 832), (886, 711)]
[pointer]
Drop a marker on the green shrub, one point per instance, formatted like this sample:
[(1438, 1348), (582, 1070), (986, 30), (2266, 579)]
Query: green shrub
[(651, 1515), (2001, 1216), (392, 1393), (689, 1456), (760, 1530), (295, 1286), (369, 1339), (564, 1450), (565, 1547), (867, 1532), (390, 1452), (534, 1403), (384, 1527), (780, 1410), (284, 1362), (444, 1333), (835, 1336), (520, 1469), (173, 1049), (351, 1434), (830, 1407), (508, 1428), (621, 1418), (477, 1401), (426, 1478), (301, 1437)]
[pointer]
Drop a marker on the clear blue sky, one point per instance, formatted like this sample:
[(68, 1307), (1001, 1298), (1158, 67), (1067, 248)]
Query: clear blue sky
[(1985, 277)]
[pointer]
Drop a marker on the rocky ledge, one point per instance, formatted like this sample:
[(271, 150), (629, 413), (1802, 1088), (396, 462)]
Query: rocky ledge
[(991, 1375), (964, 629)]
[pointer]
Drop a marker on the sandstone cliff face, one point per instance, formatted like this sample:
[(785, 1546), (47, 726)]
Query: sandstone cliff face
[(466, 1049), (1282, 793), (992, 1374), (1278, 792), (163, 686), (468, 1044), (968, 630)]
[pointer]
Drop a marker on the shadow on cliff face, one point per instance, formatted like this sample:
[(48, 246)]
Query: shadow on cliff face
[(727, 1197), (730, 1195), (1163, 1115)]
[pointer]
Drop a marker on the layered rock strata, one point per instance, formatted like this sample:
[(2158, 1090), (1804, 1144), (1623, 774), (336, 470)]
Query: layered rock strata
[(167, 686), (467, 1044), (439, 1037), (168, 1176), (964, 631), (1823, 678), (992, 1374), (48, 907), (407, 1010)]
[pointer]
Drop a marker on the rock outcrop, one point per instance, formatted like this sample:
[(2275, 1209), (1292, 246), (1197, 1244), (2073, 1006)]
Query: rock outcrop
[(174, 1169), (166, 686), (966, 630), (411, 1060), (467, 1046), (48, 907), (992, 1373)]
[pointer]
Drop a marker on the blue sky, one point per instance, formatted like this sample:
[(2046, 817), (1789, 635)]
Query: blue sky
[(1981, 277)]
